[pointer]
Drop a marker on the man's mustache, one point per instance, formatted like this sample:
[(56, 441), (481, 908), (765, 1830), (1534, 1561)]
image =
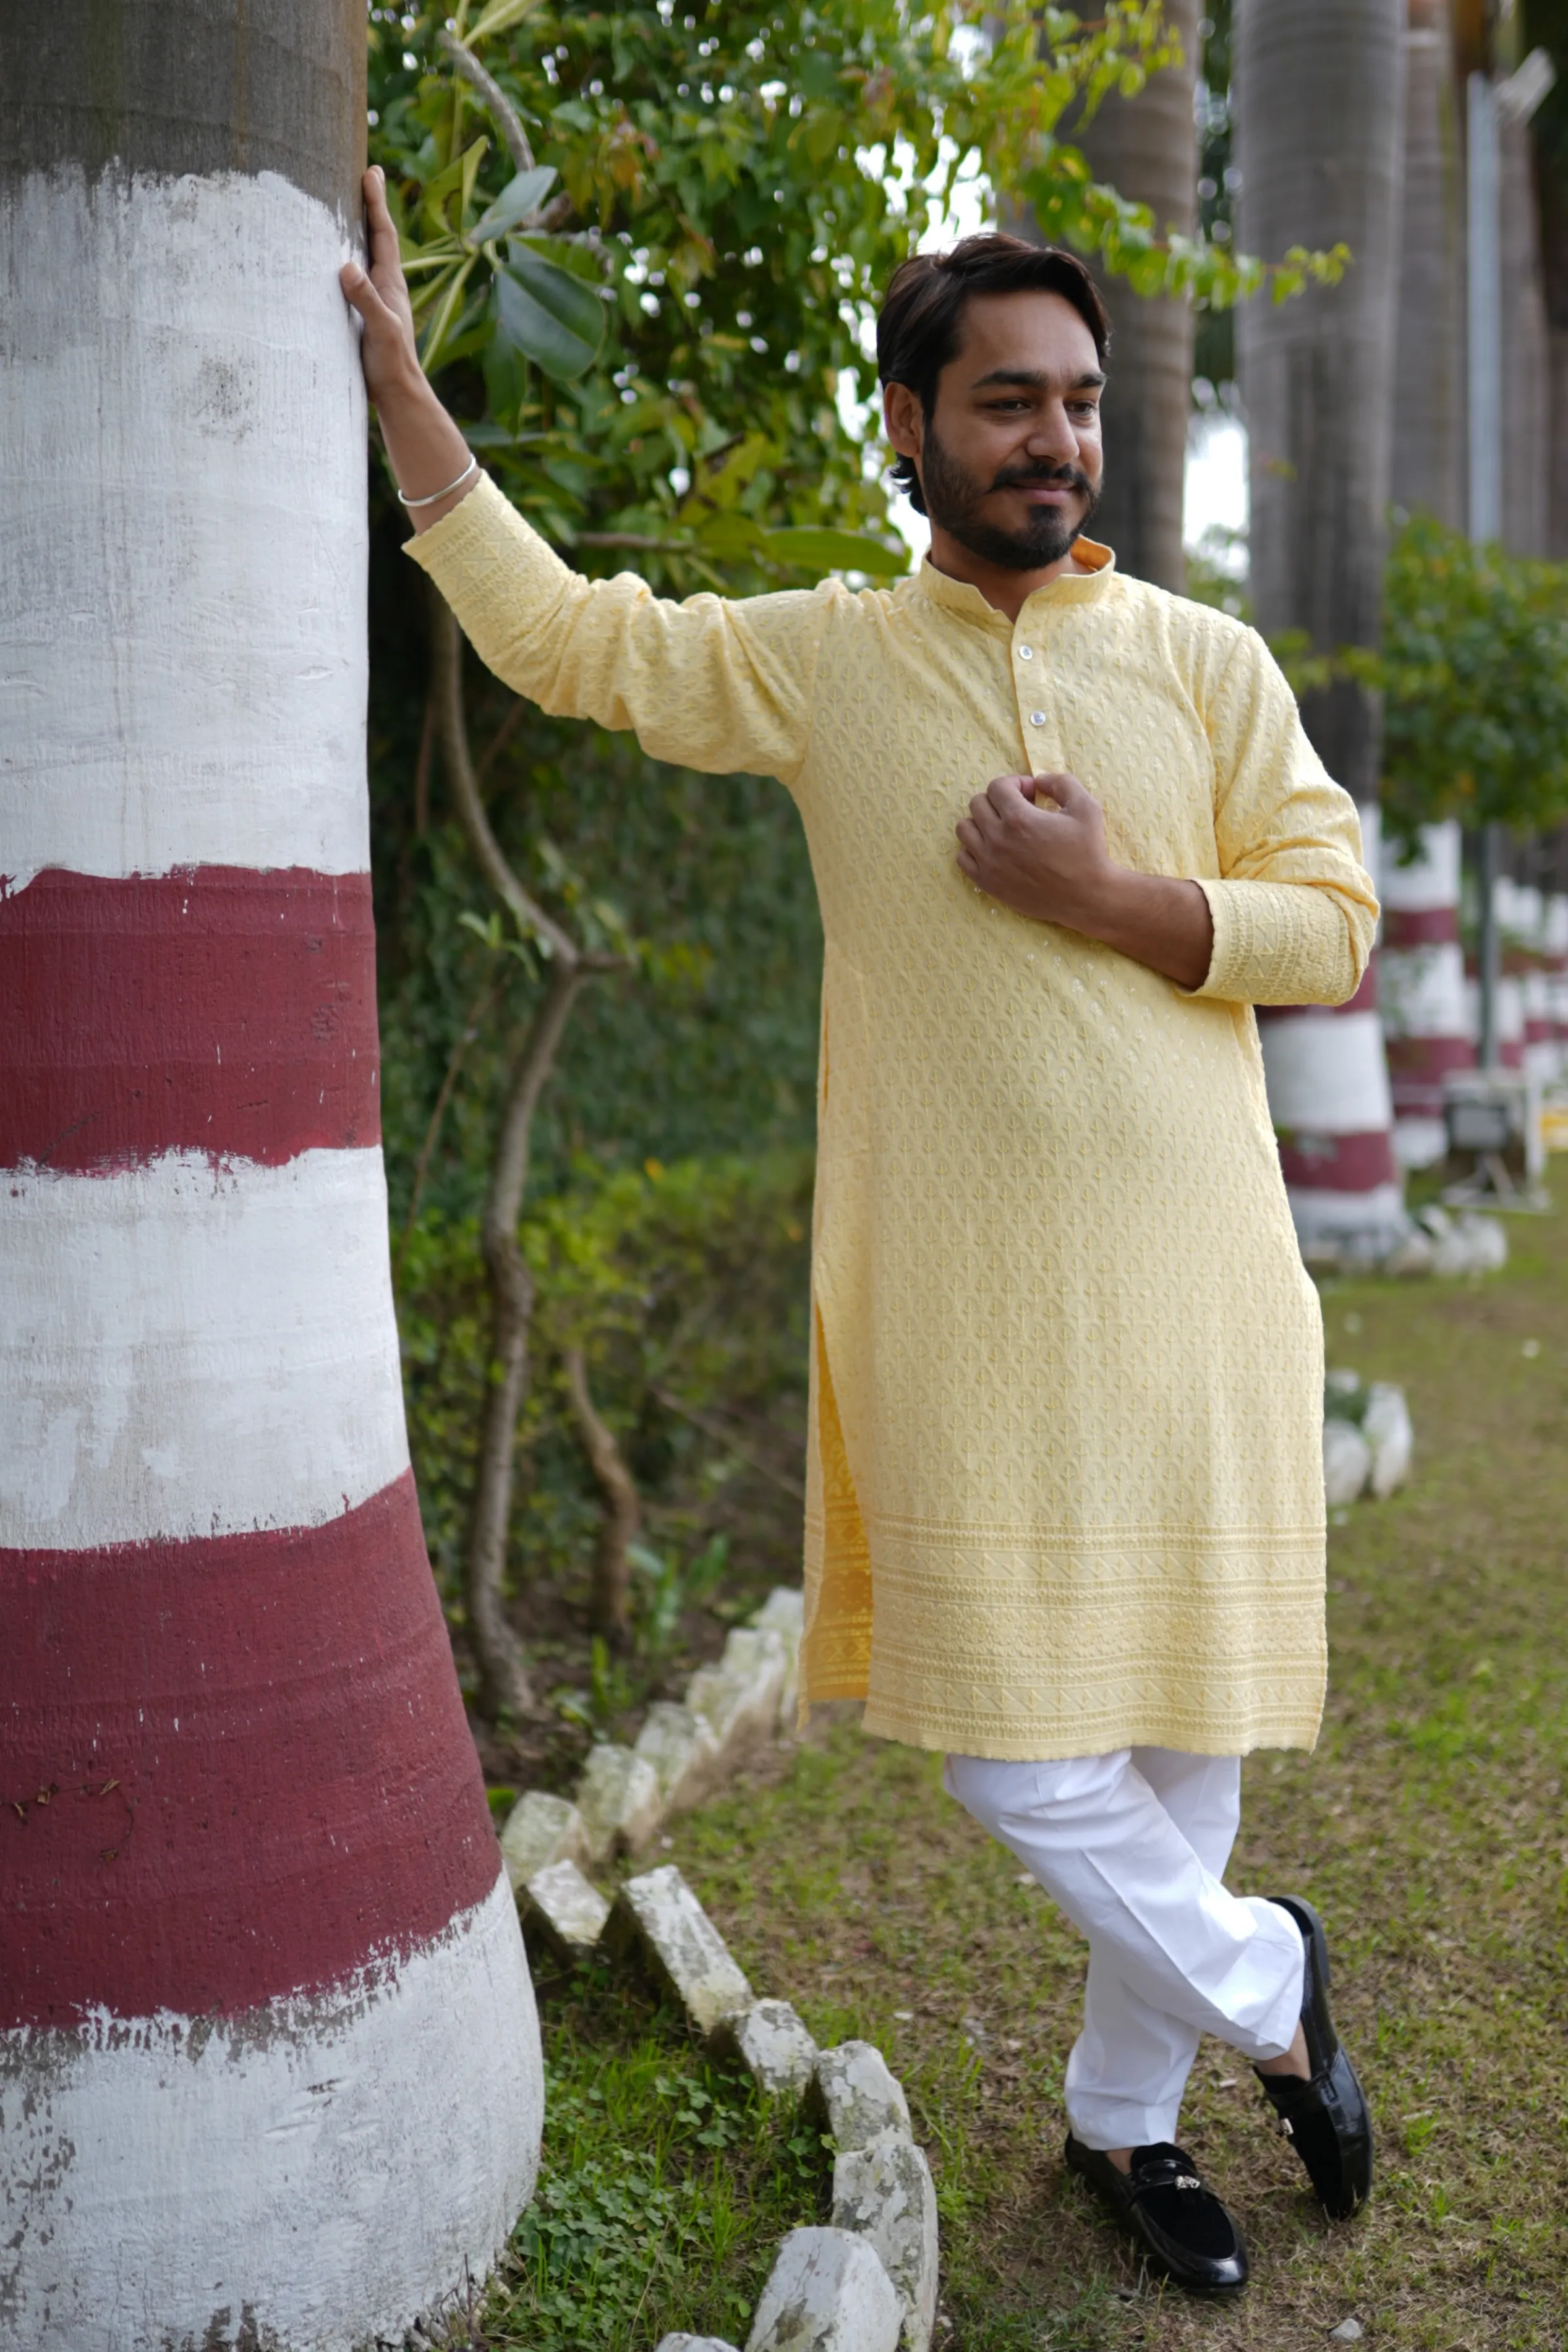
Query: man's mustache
[(1060, 478)]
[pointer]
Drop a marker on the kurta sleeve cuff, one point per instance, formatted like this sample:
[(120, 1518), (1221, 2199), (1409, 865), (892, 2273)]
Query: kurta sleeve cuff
[(1285, 943)]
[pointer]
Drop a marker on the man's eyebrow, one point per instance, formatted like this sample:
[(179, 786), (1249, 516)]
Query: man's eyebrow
[(1036, 380)]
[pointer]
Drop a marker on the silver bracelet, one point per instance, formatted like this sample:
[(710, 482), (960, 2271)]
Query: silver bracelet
[(471, 468)]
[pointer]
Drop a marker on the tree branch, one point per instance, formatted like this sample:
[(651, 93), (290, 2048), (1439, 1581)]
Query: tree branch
[(496, 99), (623, 1504), (711, 1428)]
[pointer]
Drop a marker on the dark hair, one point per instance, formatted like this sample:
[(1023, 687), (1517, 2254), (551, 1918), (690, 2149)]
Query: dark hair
[(920, 323)]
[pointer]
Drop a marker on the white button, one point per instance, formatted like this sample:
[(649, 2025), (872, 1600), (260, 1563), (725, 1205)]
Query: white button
[(1037, 717), (1025, 653)]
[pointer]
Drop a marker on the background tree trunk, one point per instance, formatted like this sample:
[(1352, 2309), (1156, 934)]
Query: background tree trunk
[(267, 1926), (622, 1504), (1147, 147), (1318, 100), (1428, 464), (1526, 363)]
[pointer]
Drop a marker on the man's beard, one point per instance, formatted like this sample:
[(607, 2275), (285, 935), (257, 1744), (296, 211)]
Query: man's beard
[(954, 499)]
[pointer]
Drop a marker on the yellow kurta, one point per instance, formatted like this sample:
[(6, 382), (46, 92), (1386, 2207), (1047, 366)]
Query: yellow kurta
[(1065, 1487)]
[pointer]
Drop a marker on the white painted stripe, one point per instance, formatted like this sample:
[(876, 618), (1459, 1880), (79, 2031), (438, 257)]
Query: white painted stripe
[(1431, 879), (1420, 1142), (1421, 991), (1327, 1217), (1327, 1072), (1554, 926), (187, 1350), (325, 2167), (182, 460)]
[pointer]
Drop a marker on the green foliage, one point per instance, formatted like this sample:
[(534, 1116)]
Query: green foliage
[(665, 2187), (686, 1286), (1475, 679)]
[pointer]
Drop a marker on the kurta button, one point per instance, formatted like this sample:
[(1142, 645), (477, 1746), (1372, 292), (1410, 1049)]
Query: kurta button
[(1037, 717), (1025, 653)]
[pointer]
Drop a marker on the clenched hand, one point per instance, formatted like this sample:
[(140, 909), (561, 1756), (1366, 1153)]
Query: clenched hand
[(1037, 844)]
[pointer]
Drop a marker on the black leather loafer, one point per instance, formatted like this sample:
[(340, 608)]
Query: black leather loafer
[(1180, 2225), (1327, 2118)]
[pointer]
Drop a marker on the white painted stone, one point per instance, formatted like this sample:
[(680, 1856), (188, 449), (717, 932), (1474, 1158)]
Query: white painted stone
[(1347, 1462), (688, 1958), (1385, 1424), (683, 1749), (192, 1350), (618, 1800), (693, 2344), (783, 1612), (165, 700), (884, 2192), (827, 2291), (739, 1696), (857, 2095), (772, 2045), (158, 2171), (1349, 2331), (569, 1912), (541, 1830)]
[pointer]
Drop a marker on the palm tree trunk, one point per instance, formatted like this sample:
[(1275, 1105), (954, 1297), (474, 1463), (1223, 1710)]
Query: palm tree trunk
[(1317, 98), (1147, 147), (1421, 966)]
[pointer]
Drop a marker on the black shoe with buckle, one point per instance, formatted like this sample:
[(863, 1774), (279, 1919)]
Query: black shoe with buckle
[(1179, 2224), (1326, 2118)]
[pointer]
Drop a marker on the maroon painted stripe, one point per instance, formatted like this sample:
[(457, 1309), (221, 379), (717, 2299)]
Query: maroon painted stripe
[(1418, 1067), (1419, 927), (217, 1010), (228, 1768), (1339, 1163)]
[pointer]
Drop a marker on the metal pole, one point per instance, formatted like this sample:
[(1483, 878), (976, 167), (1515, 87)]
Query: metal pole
[(1484, 322)]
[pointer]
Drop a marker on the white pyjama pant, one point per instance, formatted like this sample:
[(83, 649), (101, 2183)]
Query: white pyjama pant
[(1133, 1847)]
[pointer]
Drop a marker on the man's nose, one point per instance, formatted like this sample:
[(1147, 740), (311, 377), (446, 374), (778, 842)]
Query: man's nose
[(1051, 434)]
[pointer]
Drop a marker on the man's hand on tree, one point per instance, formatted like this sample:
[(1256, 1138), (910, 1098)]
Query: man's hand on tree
[(1037, 845), (427, 450)]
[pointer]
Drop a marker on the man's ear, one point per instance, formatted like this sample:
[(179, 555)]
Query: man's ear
[(905, 420)]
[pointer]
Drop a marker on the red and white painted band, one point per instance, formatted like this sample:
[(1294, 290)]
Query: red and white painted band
[(195, 1350), (166, 699), (219, 1011), (230, 1769), (315, 2173), (1327, 1072)]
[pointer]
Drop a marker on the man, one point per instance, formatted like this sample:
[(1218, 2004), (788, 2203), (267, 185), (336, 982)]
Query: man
[(1065, 1506)]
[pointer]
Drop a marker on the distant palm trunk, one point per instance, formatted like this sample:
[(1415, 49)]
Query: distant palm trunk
[(1421, 975), (1147, 148), (1318, 95), (1526, 363)]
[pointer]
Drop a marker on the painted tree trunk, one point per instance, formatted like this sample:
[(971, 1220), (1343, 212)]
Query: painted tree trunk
[(271, 2070), (1147, 147), (1421, 972), (1423, 979), (1318, 96)]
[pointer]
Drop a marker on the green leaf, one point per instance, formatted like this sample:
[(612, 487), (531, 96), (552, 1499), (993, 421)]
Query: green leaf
[(498, 18), (546, 313), (516, 201), (835, 550)]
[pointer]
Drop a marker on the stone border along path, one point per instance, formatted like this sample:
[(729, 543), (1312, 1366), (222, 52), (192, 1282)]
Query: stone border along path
[(867, 2282), (733, 1711)]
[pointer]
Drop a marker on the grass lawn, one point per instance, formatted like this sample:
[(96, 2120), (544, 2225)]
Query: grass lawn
[(1429, 1828)]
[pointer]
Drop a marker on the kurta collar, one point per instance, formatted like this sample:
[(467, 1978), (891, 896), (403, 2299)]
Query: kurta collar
[(962, 597)]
